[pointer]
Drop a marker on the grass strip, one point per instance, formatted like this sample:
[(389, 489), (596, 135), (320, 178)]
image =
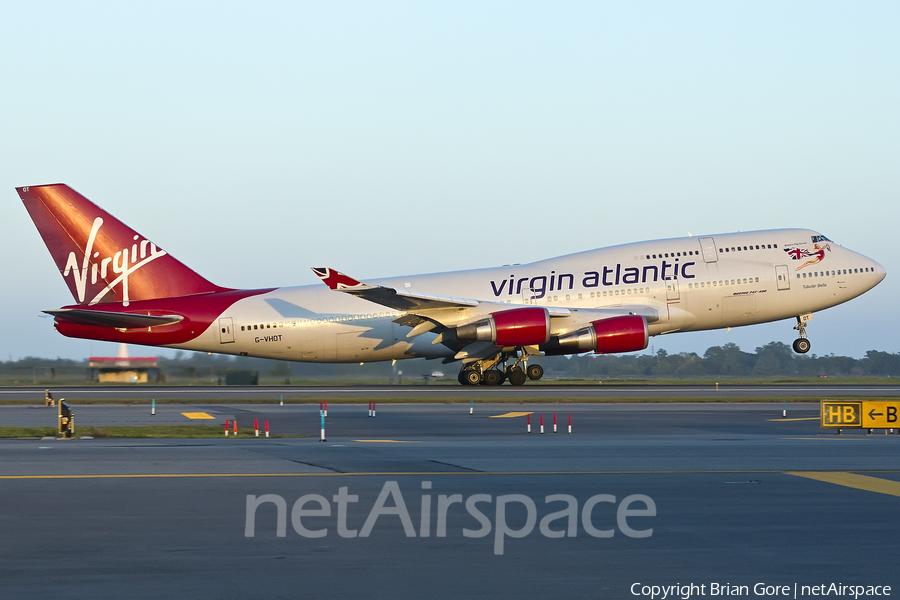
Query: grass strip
[(138, 431)]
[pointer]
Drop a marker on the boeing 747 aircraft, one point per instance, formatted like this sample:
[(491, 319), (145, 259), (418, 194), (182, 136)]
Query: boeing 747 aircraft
[(495, 322)]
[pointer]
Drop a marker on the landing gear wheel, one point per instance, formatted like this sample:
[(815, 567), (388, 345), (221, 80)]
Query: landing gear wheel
[(517, 376), (801, 345), (461, 378), (534, 372), (493, 377), (473, 377)]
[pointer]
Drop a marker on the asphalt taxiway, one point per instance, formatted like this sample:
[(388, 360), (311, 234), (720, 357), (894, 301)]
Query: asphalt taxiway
[(741, 495)]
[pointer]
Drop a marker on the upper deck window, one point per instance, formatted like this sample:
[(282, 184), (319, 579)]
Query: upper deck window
[(820, 238)]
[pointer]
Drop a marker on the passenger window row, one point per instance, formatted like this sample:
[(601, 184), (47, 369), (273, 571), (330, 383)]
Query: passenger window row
[(748, 248), (838, 272), (697, 252), (705, 284), (617, 292), (674, 254), (339, 319)]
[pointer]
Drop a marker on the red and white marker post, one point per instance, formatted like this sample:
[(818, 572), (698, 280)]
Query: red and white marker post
[(227, 423), (326, 408), (256, 426), (554, 422), (528, 422), (235, 428), (267, 428), (570, 423), (542, 424)]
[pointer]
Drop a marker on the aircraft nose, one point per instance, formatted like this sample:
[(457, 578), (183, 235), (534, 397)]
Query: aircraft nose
[(879, 272)]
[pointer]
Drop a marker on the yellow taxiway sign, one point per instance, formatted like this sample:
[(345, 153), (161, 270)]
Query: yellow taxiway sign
[(868, 414), (880, 415)]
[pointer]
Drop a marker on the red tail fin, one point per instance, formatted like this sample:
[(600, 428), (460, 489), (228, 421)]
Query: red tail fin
[(100, 258)]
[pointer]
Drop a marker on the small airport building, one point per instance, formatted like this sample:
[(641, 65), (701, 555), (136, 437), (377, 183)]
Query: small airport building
[(123, 369)]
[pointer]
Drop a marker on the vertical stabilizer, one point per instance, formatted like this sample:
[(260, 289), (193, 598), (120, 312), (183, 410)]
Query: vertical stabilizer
[(100, 258)]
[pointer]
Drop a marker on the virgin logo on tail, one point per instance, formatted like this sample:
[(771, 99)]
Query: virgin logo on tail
[(125, 262)]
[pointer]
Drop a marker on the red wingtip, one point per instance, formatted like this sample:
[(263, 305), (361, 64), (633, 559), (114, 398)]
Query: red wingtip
[(336, 280)]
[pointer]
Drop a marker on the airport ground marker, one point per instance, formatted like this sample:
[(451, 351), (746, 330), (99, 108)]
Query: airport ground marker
[(852, 480), (198, 415), (509, 415)]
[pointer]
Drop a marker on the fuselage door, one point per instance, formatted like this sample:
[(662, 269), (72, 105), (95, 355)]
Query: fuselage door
[(672, 289), (708, 247), (226, 330), (782, 277)]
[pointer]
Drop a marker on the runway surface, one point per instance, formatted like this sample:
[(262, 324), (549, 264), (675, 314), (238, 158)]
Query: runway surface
[(741, 496), (438, 392)]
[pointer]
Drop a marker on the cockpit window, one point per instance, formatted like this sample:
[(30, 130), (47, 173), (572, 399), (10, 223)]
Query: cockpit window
[(819, 238)]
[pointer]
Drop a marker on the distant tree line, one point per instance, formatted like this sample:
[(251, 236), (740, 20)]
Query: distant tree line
[(775, 359), (772, 360)]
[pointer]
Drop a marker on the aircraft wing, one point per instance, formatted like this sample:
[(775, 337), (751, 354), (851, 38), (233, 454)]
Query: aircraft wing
[(408, 300), (441, 315), (405, 300)]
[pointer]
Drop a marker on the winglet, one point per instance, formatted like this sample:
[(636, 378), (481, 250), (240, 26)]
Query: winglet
[(337, 281)]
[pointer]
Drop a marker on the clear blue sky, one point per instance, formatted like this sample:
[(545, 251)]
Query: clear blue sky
[(253, 140)]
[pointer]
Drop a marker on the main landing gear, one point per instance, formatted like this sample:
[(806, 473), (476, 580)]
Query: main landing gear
[(801, 345), (494, 370)]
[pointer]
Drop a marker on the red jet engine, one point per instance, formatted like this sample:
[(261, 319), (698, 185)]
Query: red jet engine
[(608, 336), (528, 326)]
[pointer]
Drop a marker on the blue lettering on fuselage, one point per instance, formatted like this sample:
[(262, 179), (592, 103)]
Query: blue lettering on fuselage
[(607, 276)]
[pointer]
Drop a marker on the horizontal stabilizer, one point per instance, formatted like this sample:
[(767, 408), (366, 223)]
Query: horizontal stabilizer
[(115, 320)]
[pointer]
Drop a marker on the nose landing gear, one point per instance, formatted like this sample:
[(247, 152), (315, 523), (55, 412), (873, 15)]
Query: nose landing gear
[(801, 345)]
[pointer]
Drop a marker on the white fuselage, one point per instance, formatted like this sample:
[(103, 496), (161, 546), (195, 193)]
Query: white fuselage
[(691, 283)]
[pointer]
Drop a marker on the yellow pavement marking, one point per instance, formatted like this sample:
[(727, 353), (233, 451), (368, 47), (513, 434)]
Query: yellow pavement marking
[(852, 480), (510, 414), (831, 437), (797, 419), (387, 441), (198, 416), (423, 474)]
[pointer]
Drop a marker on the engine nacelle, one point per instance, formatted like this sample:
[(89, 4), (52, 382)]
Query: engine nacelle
[(528, 326), (607, 336)]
